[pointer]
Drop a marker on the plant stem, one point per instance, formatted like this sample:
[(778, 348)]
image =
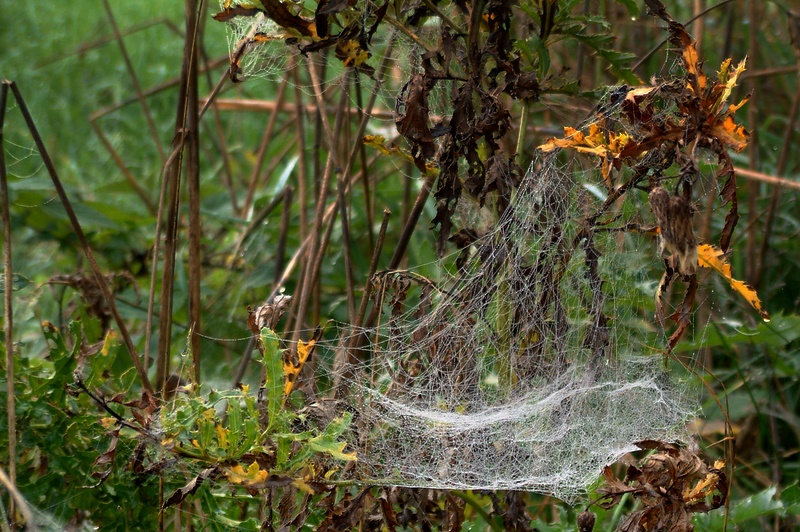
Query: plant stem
[(8, 314)]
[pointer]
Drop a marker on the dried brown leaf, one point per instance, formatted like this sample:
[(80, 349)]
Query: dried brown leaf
[(412, 117), (190, 488)]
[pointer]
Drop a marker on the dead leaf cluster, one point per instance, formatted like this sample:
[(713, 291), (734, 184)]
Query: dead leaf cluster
[(670, 484)]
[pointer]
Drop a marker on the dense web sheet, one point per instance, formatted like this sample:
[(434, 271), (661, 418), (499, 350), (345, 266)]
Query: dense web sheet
[(522, 369)]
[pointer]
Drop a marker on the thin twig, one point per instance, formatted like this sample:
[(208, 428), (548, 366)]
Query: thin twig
[(223, 150), (266, 140), (302, 171), (98, 43), (20, 501), (172, 177), (753, 233), (132, 181), (269, 106), (345, 356), (135, 80), (307, 285), (362, 153), (410, 34), (257, 220), (687, 23), (162, 195), (787, 147), (286, 218), (161, 87), (8, 311), (411, 223), (348, 261), (780, 182), (192, 128), (99, 277), (442, 15)]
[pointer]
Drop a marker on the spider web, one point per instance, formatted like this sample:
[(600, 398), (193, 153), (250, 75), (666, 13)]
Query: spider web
[(531, 365), (531, 359), (270, 53)]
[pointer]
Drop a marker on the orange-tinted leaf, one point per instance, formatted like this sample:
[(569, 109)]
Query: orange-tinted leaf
[(291, 371), (638, 92), (691, 59), (704, 488), (730, 134), (595, 143), (253, 474), (714, 258), (572, 138)]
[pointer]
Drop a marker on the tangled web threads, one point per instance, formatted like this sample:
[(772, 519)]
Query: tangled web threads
[(528, 367)]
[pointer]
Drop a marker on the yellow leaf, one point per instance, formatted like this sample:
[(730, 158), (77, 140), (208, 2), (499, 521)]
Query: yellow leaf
[(377, 142), (714, 258), (735, 107), (222, 437), (351, 53), (703, 489), (108, 422), (109, 342), (300, 484), (595, 143), (238, 475), (572, 138), (290, 371), (729, 79), (724, 70)]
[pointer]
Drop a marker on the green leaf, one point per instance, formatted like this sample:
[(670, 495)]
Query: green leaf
[(100, 364), (18, 282), (778, 332), (760, 504), (630, 5), (273, 365), (790, 497), (328, 441)]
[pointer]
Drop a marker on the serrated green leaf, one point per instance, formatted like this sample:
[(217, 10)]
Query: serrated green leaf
[(273, 366), (328, 442), (101, 362)]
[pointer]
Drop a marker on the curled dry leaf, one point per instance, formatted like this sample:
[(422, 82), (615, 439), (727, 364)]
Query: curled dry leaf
[(268, 314), (671, 484), (190, 488)]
